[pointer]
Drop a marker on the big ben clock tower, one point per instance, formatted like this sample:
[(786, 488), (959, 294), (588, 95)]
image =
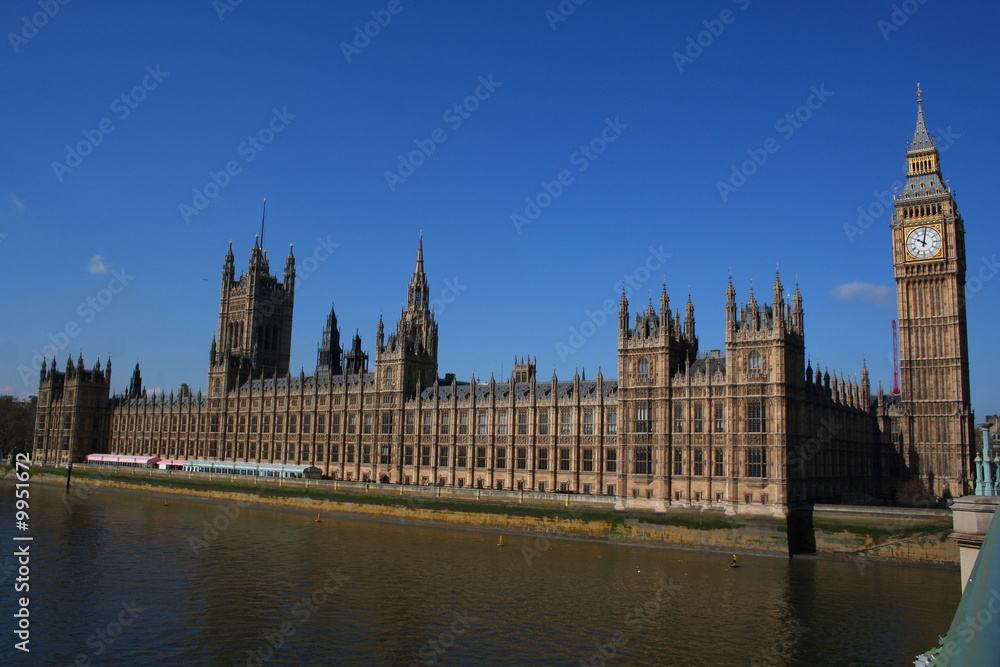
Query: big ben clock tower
[(928, 247)]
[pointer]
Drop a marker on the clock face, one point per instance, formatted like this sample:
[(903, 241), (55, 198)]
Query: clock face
[(923, 242)]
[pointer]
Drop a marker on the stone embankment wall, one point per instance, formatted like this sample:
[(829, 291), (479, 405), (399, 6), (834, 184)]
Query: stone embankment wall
[(876, 534), (884, 533)]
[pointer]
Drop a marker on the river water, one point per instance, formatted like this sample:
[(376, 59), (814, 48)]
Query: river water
[(122, 579)]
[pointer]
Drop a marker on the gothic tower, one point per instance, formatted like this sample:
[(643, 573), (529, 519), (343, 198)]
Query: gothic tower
[(765, 358), (765, 343), (72, 417), (409, 357), (650, 354), (255, 323), (928, 248)]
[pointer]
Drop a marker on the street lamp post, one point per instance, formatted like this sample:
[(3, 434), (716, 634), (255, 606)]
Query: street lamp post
[(986, 484)]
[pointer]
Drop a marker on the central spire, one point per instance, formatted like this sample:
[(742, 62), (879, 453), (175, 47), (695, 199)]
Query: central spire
[(922, 140), (418, 294), (923, 177), (420, 254)]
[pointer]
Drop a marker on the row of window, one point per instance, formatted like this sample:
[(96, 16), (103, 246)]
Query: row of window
[(754, 419), (87, 399), (920, 211), (482, 422), (263, 424), (754, 466)]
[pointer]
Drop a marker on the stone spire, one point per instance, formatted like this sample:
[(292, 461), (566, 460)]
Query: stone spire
[(330, 353), (797, 316), (228, 270), (257, 261), (689, 318), (923, 174), (778, 302), (135, 386), (730, 304), (623, 313), (290, 270), (922, 139), (418, 295), (751, 313)]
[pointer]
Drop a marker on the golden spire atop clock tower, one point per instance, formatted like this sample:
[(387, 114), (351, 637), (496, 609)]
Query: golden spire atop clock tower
[(928, 245)]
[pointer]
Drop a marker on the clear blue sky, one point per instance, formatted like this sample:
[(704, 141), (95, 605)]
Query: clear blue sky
[(677, 127)]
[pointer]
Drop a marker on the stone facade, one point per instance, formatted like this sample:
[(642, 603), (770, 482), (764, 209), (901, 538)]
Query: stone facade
[(751, 428), (928, 240)]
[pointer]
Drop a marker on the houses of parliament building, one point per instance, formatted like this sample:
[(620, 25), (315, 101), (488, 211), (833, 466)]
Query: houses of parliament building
[(748, 428)]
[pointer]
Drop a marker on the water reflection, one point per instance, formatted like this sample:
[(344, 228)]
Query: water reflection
[(260, 586)]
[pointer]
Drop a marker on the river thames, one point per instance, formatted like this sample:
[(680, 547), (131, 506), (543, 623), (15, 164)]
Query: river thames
[(122, 579)]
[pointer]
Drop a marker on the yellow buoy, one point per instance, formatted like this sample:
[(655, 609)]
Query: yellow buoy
[(317, 518), (501, 541)]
